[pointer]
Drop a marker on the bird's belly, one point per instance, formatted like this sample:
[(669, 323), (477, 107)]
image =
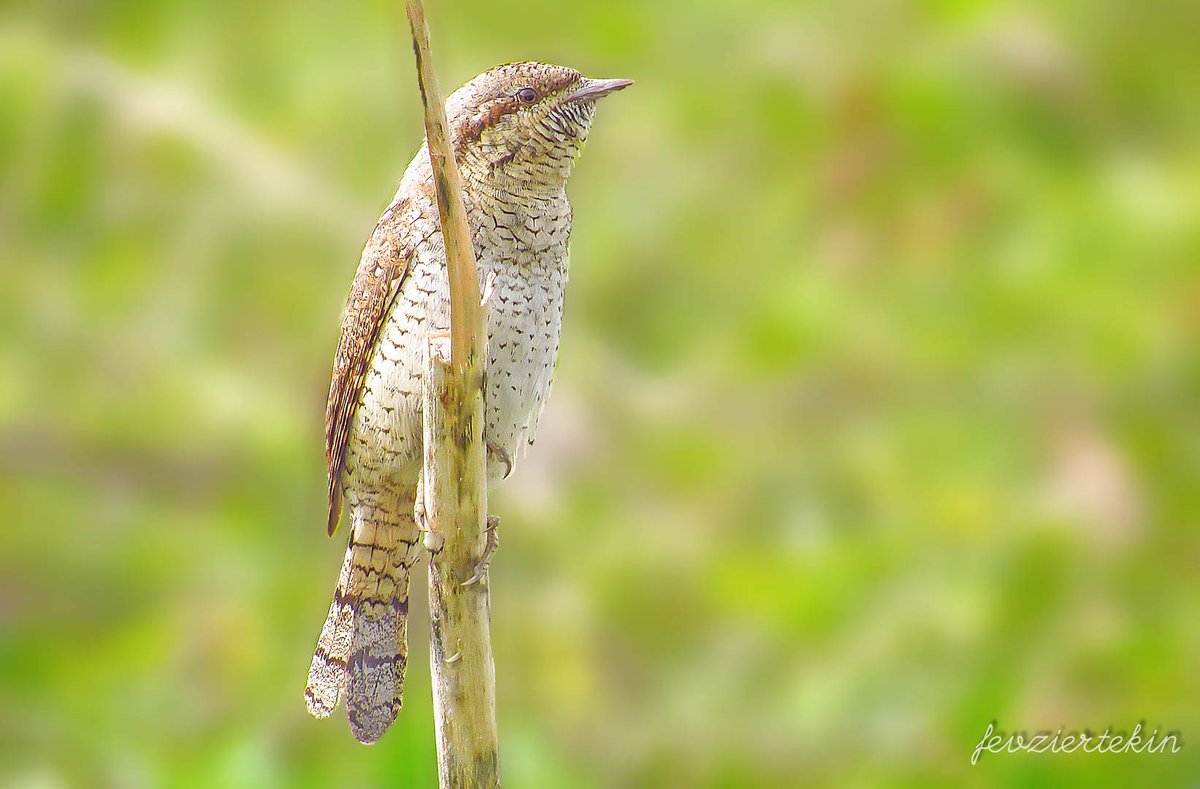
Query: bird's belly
[(524, 323)]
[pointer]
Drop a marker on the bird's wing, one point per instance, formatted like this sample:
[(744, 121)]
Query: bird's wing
[(385, 264)]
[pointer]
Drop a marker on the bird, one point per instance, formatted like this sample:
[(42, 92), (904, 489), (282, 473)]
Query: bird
[(516, 131)]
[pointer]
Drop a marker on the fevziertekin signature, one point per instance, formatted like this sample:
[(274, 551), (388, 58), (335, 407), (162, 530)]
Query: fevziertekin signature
[(1045, 741)]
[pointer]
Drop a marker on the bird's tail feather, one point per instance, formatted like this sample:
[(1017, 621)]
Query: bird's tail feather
[(363, 647)]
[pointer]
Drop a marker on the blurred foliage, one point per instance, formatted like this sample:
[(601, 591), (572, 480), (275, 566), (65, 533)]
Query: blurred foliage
[(876, 418)]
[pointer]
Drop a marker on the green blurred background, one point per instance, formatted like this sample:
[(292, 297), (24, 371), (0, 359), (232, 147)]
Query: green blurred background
[(876, 418)]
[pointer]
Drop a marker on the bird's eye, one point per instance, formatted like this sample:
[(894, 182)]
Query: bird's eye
[(527, 95)]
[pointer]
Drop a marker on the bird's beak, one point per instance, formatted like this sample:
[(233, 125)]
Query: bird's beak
[(592, 89)]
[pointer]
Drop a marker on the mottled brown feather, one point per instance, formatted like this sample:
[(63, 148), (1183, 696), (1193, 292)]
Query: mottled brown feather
[(381, 272)]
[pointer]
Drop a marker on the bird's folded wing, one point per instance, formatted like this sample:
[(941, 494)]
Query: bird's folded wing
[(385, 264)]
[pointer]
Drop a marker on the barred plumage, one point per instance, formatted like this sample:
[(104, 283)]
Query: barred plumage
[(516, 131)]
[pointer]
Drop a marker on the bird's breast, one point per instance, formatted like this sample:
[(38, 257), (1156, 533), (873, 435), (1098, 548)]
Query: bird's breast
[(525, 274)]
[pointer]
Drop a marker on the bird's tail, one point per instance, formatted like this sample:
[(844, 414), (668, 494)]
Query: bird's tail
[(363, 647)]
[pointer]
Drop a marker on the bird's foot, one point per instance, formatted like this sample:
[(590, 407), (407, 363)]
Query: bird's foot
[(501, 453), (493, 542)]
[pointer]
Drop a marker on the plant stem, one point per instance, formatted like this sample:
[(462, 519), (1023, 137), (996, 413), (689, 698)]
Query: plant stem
[(454, 477)]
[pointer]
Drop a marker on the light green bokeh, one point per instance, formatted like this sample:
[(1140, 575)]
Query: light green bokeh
[(876, 416)]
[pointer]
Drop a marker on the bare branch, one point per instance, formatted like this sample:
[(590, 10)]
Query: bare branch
[(465, 307), (454, 478)]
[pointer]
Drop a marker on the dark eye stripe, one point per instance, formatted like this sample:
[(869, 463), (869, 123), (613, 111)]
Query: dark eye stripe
[(491, 114)]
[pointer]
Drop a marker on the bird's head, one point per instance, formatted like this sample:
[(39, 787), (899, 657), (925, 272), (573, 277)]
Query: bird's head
[(520, 126)]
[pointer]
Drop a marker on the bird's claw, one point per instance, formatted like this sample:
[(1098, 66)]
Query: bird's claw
[(501, 453), (493, 542)]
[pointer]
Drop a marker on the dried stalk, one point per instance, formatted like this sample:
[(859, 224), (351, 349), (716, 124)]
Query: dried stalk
[(466, 311), (454, 477)]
